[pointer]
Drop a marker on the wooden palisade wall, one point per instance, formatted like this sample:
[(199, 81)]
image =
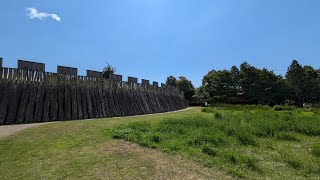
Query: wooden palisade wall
[(33, 96)]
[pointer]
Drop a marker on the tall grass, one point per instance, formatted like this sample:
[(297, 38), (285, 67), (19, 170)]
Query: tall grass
[(225, 136)]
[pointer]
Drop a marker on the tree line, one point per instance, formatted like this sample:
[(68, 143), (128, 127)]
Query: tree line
[(247, 84)]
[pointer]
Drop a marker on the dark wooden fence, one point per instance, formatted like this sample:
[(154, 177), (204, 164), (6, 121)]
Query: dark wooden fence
[(28, 96)]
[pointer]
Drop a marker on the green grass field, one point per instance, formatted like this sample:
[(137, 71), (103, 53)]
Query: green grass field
[(256, 142), (85, 150)]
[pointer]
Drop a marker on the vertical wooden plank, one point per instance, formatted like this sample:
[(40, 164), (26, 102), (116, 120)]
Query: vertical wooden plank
[(23, 104), (5, 102), (14, 103), (94, 103), (110, 103), (89, 102), (117, 105), (67, 103), (105, 97), (2, 88), (5, 73), (1, 73), (31, 104), (38, 114), (79, 103), (74, 112), (46, 104), (61, 103), (102, 103), (84, 103), (54, 104)]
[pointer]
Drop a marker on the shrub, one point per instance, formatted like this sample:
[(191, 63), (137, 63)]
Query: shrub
[(283, 108)]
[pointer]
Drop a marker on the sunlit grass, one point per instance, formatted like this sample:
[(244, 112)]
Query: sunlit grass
[(245, 141)]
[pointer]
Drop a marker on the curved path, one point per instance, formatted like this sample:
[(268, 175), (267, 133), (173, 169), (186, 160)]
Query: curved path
[(8, 130)]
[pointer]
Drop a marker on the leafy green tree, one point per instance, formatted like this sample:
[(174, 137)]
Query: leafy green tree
[(185, 85), (108, 70), (201, 95), (245, 85), (171, 81), (221, 84), (310, 86), (295, 81), (303, 82)]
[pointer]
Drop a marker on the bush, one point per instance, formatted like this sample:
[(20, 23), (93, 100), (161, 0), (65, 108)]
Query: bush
[(283, 108)]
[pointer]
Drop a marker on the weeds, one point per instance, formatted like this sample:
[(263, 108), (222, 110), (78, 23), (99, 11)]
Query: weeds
[(230, 134), (316, 151), (209, 151)]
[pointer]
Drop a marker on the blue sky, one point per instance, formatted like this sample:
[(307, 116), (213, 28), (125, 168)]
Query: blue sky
[(152, 39)]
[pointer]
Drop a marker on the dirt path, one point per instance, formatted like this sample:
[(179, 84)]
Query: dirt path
[(132, 161), (8, 130)]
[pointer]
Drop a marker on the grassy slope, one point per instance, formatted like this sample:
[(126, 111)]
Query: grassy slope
[(250, 142), (84, 149)]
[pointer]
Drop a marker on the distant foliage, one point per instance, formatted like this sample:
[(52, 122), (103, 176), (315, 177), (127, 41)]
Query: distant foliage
[(250, 85), (283, 108), (183, 84), (171, 81), (108, 70)]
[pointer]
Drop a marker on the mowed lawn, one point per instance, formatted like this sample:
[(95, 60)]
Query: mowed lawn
[(85, 150), (252, 142)]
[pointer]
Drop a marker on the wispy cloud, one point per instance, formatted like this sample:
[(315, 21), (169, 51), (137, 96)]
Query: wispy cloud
[(33, 13)]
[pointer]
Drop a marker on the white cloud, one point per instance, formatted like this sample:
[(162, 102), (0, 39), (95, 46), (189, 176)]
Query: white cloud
[(33, 13)]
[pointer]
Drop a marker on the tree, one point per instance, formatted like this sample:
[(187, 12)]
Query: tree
[(303, 82), (171, 81), (201, 95), (221, 84), (247, 85), (294, 78), (310, 88), (185, 85), (108, 70)]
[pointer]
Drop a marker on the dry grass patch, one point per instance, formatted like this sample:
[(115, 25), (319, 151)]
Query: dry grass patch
[(131, 161)]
